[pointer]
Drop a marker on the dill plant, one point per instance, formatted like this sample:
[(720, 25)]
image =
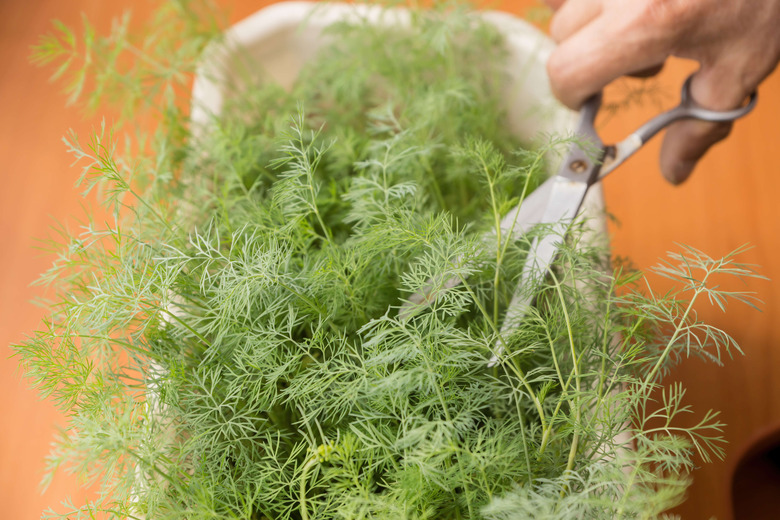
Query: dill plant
[(230, 345)]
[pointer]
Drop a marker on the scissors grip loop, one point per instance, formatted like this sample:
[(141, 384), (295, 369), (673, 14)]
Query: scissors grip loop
[(690, 109)]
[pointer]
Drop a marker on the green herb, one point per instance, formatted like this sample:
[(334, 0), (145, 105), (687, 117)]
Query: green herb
[(230, 345)]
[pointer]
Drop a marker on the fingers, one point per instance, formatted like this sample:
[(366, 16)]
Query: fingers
[(687, 141), (573, 16), (685, 144), (648, 72), (598, 53)]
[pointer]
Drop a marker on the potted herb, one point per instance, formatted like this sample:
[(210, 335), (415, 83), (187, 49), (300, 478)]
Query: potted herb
[(230, 345)]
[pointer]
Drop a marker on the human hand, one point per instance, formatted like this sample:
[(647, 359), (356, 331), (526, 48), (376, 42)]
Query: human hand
[(736, 42)]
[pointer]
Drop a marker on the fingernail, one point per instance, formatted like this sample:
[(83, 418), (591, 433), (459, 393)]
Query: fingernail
[(680, 172)]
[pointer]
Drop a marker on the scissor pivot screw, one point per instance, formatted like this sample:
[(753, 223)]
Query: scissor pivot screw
[(578, 166)]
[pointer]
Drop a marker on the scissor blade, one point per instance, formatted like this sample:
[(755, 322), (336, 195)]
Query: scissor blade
[(565, 200), (529, 212), (521, 219)]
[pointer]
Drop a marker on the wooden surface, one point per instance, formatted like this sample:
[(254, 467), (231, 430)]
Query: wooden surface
[(731, 200)]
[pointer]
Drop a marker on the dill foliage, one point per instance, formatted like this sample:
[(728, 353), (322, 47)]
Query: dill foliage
[(230, 344)]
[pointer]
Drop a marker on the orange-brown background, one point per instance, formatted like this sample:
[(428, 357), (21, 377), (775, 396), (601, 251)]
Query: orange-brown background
[(732, 200)]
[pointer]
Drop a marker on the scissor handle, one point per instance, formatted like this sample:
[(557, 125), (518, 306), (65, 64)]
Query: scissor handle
[(687, 109), (690, 109)]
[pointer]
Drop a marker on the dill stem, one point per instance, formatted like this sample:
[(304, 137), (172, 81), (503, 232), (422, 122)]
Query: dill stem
[(604, 349), (564, 392), (150, 208), (626, 494), (525, 449), (523, 195), (497, 224), (309, 168), (104, 163), (514, 365), (315, 209), (148, 59), (118, 341), (154, 467), (186, 326), (574, 445), (501, 253), (304, 475), (678, 328), (576, 371), (435, 184), (299, 294)]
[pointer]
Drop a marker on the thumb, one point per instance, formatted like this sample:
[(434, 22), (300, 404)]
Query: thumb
[(715, 88)]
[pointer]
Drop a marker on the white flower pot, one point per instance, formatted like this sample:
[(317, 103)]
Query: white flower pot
[(279, 39)]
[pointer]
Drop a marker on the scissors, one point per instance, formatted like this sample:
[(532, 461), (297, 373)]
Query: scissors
[(557, 201)]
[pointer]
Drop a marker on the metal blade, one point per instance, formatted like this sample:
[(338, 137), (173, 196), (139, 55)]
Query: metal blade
[(530, 212), (517, 222), (557, 201), (565, 200)]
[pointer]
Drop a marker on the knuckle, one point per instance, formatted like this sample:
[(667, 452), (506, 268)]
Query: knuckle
[(556, 31), (671, 16), (556, 71), (562, 78)]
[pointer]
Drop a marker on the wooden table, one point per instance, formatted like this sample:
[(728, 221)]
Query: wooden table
[(730, 201)]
